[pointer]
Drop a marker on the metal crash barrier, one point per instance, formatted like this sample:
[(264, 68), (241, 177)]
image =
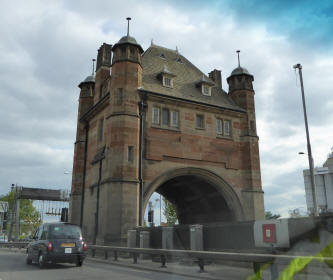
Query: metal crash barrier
[(260, 261)]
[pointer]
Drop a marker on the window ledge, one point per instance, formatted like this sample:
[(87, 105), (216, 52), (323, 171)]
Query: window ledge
[(225, 137), (200, 128), (176, 129)]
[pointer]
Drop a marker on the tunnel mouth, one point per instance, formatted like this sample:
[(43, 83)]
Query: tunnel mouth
[(197, 201)]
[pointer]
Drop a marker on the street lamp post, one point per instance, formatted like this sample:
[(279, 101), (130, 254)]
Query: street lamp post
[(313, 188)]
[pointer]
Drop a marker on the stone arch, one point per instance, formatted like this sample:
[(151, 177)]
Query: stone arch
[(201, 187)]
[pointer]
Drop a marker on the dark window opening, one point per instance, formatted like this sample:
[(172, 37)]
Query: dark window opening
[(130, 154), (165, 116), (200, 121), (119, 96), (101, 130)]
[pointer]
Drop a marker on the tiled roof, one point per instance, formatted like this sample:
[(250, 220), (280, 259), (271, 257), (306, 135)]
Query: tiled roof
[(155, 59)]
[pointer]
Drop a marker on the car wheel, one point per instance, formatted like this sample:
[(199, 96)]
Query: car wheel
[(41, 260), (28, 260), (79, 262)]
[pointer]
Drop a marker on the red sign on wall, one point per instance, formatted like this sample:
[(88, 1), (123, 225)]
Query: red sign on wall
[(269, 233)]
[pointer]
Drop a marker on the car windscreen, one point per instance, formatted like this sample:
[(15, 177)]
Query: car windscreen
[(64, 232)]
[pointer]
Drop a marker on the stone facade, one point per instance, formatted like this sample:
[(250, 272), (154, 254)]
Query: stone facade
[(199, 143)]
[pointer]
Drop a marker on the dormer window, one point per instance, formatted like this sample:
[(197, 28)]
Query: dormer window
[(206, 90), (206, 85), (166, 77), (179, 60), (167, 81), (162, 56)]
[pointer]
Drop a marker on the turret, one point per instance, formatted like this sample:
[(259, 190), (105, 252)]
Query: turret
[(123, 131), (126, 74), (86, 101), (241, 91)]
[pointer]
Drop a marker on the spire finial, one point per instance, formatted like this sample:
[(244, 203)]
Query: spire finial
[(93, 60), (238, 51), (128, 20), (152, 42)]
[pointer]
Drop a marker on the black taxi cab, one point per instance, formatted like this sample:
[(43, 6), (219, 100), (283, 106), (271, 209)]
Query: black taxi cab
[(57, 243)]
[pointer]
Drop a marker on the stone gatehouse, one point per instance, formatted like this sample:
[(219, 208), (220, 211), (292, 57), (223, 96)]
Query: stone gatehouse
[(150, 121)]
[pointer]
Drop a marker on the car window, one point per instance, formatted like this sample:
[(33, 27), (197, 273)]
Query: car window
[(64, 231), (40, 231), (44, 233)]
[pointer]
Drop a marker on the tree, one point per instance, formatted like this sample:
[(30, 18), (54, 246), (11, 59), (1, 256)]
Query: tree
[(27, 211), (270, 216), (169, 211)]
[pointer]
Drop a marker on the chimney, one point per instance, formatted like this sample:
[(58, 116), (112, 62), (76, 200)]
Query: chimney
[(215, 75), (104, 56)]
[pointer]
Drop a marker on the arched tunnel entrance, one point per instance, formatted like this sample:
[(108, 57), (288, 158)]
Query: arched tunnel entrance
[(199, 197), (195, 200)]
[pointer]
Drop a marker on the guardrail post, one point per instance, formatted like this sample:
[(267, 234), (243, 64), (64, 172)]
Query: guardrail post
[(201, 264), (135, 258), (115, 256), (163, 261), (106, 254), (274, 271), (256, 267)]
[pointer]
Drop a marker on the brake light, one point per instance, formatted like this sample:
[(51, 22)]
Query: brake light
[(49, 247), (85, 247)]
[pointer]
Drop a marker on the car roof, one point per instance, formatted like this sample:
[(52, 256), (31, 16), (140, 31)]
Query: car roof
[(59, 223)]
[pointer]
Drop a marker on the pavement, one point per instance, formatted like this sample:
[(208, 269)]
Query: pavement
[(186, 268)]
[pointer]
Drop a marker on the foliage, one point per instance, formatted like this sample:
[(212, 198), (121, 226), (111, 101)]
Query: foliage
[(27, 211), (270, 216), (169, 211)]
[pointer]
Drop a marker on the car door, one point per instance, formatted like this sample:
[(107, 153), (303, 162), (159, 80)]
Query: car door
[(35, 243), (42, 239)]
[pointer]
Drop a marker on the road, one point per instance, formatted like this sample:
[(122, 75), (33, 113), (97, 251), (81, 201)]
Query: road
[(13, 267)]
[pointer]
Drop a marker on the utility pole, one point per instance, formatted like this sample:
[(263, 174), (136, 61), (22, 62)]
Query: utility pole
[(11, 218), (17, 213), (313, 187)]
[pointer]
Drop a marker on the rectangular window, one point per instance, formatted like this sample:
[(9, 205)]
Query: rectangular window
[(200, 121), (119, 96), (101, 130), (226, 128), (156, 115), (219, 126), (130, 153), (205, 90), (252, 126), (165, 116), (167, 82), (174, 118)]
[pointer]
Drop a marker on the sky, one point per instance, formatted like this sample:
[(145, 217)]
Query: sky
[(46, 49)]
